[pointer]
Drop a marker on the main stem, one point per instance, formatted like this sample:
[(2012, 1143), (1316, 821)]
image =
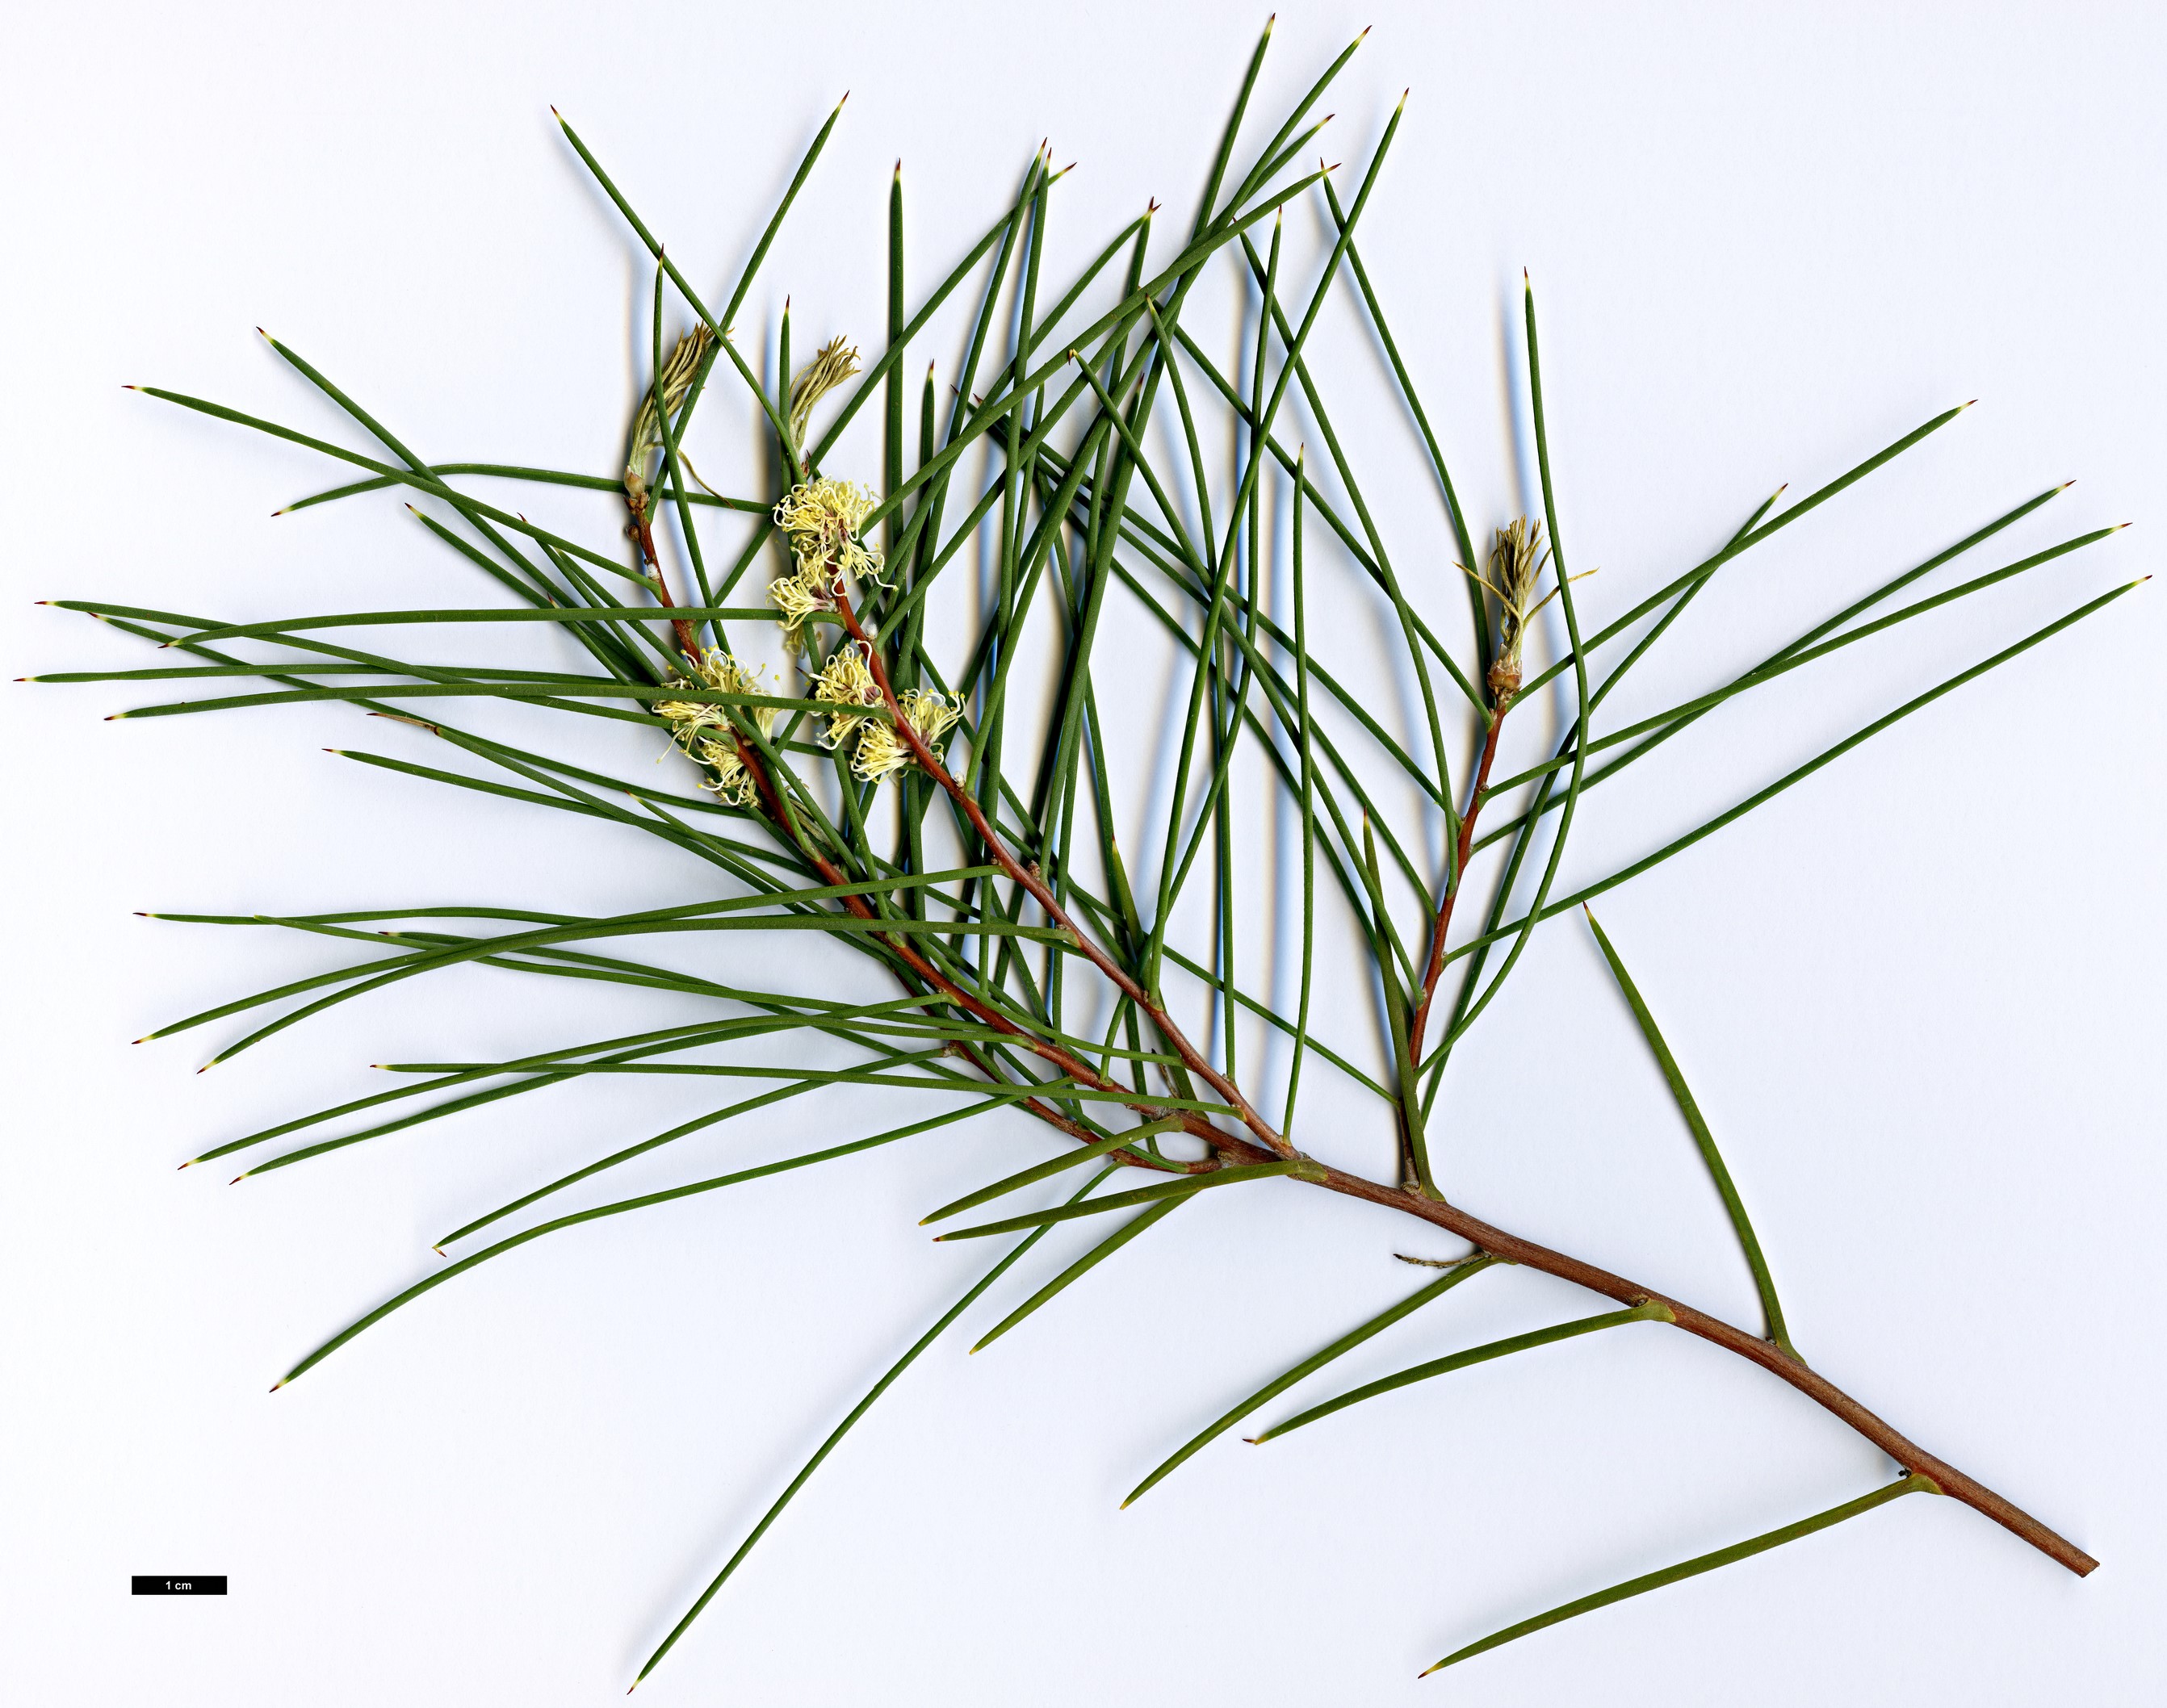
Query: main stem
[(1496, 1241), (1906, 1452)]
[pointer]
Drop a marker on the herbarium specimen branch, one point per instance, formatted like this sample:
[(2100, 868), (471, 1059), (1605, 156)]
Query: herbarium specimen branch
[(829, 809)]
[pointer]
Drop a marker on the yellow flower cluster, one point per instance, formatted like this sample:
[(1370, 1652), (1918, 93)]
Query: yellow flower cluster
[(823, 519), (847, 680), (881, 750), (702, 729)]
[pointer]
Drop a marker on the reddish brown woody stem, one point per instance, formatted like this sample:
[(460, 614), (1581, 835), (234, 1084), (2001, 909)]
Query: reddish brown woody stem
[(1502, 704), (688, 641)]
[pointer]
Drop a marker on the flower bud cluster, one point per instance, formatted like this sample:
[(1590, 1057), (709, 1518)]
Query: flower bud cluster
[(1516, 564), (676, 384), (833, 363)]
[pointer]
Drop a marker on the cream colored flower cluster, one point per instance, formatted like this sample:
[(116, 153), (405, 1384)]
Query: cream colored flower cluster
[(847, 683), (882, 750), (703, 730), (822, 519)]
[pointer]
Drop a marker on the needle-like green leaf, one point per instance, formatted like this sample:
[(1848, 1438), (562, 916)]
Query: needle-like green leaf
[(1828, 756), (1187, 1186), (842, 1429), (1649, 1313), (646, 1200), (1733, 1205), (1047, 1170), (1278, 1384), (1083, 1265), (1913, 1484)]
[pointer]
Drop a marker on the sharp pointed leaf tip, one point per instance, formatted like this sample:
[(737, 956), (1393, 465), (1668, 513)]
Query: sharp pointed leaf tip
[(2065, 486), (276, 1385), (237, 1180)]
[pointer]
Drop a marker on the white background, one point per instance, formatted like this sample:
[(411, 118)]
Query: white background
[(1918, 996)]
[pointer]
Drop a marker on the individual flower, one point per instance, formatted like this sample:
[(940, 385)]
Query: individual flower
[(703, 730), (882, 750), (847, 680)]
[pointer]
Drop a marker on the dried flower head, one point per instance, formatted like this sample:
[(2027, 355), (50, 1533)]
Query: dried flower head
[(881, 750), (703, 729), (847, 680), (676, 384), (834, 362)]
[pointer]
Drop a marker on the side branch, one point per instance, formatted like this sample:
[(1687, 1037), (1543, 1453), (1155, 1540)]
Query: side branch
[(1042, 893), (1500, 704)]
